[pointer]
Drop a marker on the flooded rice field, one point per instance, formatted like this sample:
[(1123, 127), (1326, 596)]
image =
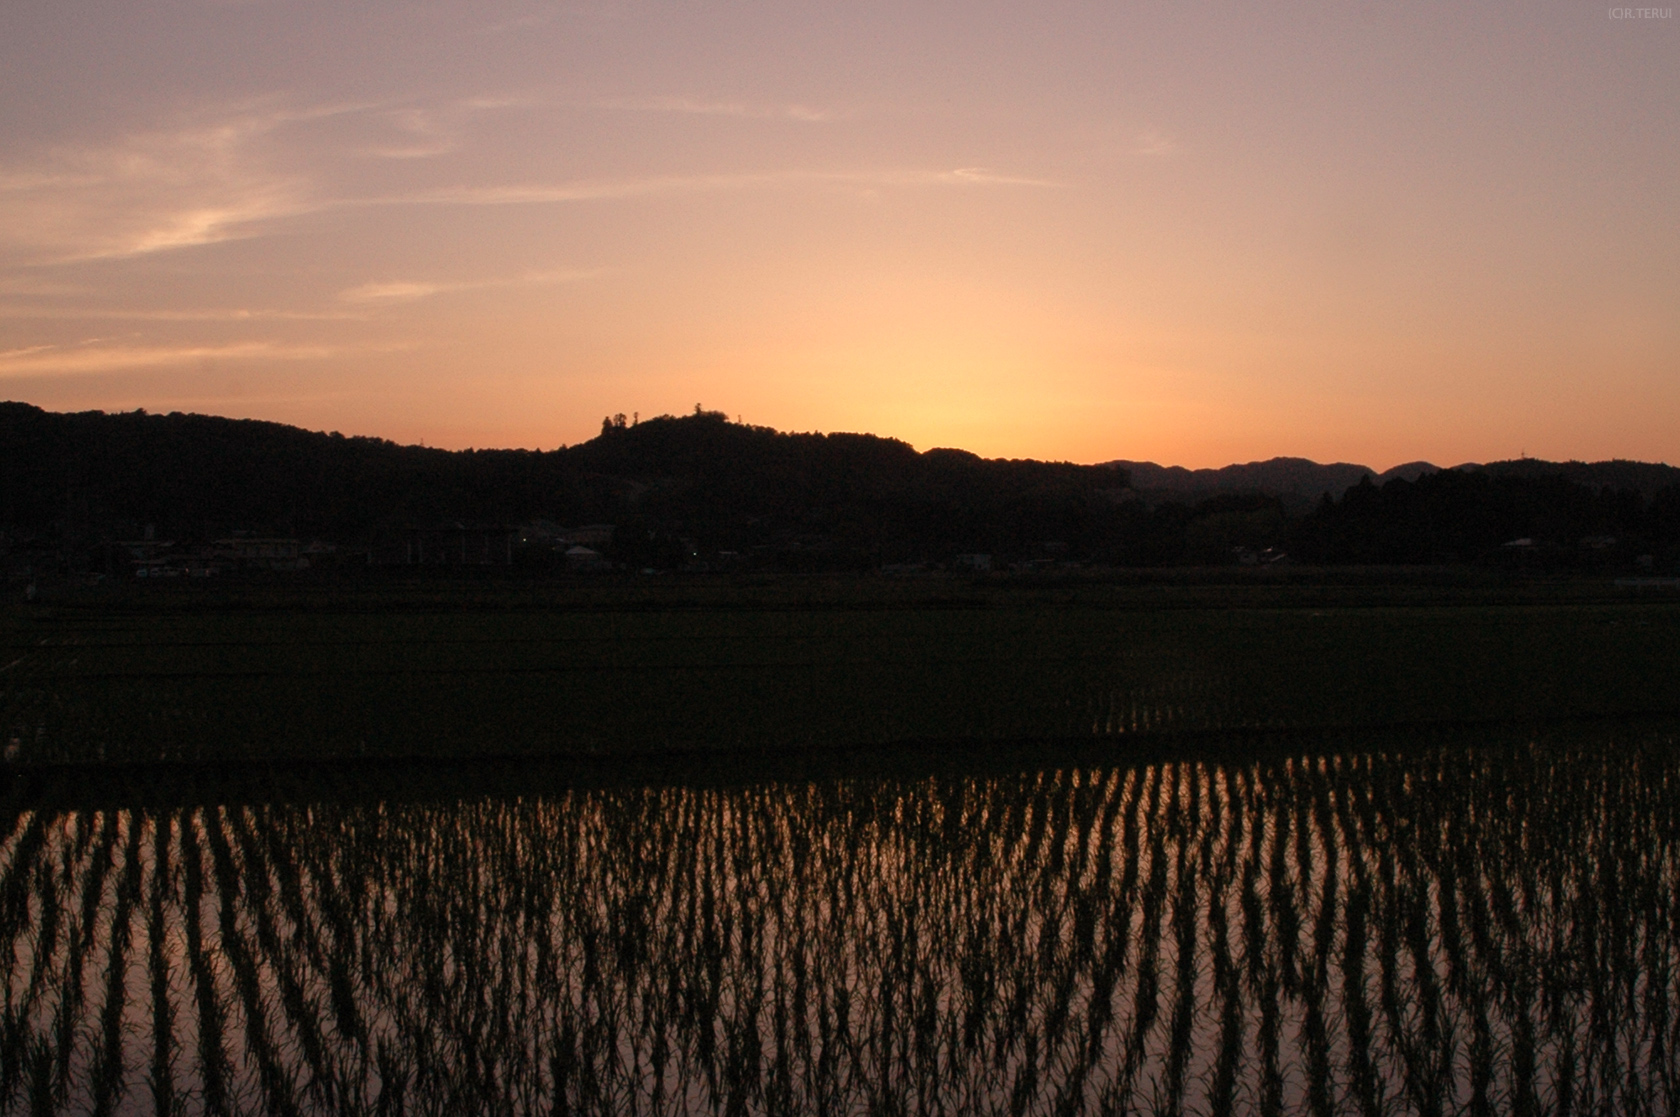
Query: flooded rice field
[(1425, 923)]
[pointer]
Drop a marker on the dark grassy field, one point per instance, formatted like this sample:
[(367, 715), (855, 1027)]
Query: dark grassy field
[(657, 665)]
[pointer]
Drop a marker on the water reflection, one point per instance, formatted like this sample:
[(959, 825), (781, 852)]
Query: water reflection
[(1490, 929)]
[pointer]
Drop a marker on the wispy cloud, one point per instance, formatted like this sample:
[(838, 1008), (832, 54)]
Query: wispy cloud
[(200, 183), (578, 191), (31, 287), (747, 110), (488, 104), (402, 291), (96, 357), (427, 131), (22, 181), (420, 134), (1154, 143), (656, 185), (217, 175), (980, 176), (119, 314), (225, 176), (397, 291), (206, 225)]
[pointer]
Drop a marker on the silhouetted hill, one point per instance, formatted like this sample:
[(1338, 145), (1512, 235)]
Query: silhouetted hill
[(700, 489), (1297, 482), (1277, 477), (91, 472), (1407, 471), (1300, 477), (852, 499), (1641, 477), (697, 482)]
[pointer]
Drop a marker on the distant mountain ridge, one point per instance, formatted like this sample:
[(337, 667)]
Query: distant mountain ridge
[(1298, 480), (1280, 477)]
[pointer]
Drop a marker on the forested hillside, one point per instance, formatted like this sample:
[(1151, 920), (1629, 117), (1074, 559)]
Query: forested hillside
[(681, 491), (848, 498)]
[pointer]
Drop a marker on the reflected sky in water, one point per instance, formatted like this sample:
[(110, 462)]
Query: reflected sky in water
[(1434, 928)]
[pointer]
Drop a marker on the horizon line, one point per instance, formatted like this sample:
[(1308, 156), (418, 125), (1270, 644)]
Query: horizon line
[(739, 421)]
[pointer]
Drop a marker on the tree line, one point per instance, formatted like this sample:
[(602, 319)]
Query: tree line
[(682, 489)]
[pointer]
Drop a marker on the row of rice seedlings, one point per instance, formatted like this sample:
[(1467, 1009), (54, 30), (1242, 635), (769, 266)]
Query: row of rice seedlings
[(1162, 700), (214, 1065), (281, 937), (160, 1065), (109, 1073)]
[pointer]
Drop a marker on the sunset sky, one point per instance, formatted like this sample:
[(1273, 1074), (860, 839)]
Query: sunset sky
[(1189, 233)]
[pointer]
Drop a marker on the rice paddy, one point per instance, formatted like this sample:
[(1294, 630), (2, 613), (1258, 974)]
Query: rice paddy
[(1418, 922)]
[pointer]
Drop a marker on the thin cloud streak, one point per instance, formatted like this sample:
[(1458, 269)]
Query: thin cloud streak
[(399, 291), (27, 287), (427, 136), (52, 360), (223, 175), (609, 189), (214, 177), (112, 314), (150, 192), (581, 191), (1155, 143), (203, 226), (980, 176), (744, 110), (490, 104), (402, 291), (210, 183)]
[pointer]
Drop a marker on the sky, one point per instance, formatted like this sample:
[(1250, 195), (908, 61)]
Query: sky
[(1188, 233)]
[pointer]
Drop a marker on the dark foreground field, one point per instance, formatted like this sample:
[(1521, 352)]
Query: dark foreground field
[(653, 666), (1410, 922), (1379, 844)]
